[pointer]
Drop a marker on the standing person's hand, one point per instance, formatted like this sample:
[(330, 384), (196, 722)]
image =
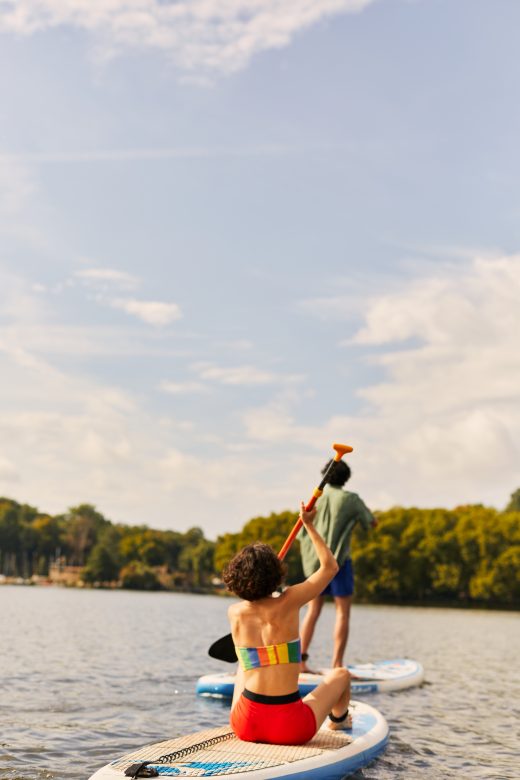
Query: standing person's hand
[(307, 517)]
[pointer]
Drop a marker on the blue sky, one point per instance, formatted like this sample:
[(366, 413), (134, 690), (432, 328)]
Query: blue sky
[(233, 233)]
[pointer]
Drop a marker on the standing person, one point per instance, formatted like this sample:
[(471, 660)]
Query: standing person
[(338, 512), (267, 705)]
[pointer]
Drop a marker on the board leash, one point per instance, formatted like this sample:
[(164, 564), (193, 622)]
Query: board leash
[(144, 768)]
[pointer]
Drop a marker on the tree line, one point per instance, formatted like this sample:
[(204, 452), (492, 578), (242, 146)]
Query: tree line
[(31, 543), (470, 554)]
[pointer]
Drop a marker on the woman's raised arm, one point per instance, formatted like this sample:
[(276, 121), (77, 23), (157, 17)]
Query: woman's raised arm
[(305, 591)]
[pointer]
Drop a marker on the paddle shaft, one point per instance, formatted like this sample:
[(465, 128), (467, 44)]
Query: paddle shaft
[(223, 649), (315, 495)]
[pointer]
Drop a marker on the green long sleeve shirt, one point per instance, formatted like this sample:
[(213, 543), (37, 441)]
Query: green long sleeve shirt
[(338, 512)]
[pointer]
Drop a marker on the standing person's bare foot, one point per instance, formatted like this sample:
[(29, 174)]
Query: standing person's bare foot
[(303, 665), (304, 669)]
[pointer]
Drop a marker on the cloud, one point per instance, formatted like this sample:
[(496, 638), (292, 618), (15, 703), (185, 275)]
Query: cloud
[(103, 281), (234, 375), (199, 36), (438, 422), (244, 375), (180, 388), (443, 424), (152, 312), (106, 278)]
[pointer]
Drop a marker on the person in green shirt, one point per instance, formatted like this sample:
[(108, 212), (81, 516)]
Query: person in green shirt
[(338, 512)]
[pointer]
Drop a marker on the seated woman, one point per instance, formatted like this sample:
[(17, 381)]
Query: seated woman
[(267, 706)]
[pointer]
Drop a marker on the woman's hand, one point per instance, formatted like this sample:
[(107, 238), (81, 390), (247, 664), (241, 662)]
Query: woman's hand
[(307, 517)]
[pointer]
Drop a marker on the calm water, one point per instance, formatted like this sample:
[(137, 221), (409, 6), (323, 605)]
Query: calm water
[(88, 675)]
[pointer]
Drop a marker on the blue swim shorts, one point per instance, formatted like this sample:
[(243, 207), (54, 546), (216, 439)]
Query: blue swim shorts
[(343, 582)]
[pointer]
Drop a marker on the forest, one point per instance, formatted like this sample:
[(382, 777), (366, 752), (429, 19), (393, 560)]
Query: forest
[(466, 555)]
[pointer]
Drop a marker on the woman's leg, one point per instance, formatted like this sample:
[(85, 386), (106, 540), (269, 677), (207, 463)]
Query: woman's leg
[(309, 624), (332, 695)]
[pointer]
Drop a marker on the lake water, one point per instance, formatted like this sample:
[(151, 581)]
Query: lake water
[(88, 675)]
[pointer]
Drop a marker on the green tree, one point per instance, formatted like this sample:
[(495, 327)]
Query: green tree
[(197, 561), (514, 502), (138, 576), (83, 523), (48, 531), (272, 530), (9, 535), (102, 565)]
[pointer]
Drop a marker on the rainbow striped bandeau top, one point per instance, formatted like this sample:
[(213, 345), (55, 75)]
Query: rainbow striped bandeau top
[(270, 655)]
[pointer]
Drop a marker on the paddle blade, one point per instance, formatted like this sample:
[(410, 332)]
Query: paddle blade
[(224, 649)]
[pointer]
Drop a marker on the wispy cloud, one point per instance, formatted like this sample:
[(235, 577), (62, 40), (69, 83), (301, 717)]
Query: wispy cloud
[(242, 375), (107, 278), (105, 281), (181, 388), (211, 374), (203, 37), (234, 375), (152, 312)]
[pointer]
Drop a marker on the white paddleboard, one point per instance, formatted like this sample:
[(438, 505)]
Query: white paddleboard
[(381, 676), (330, 755)]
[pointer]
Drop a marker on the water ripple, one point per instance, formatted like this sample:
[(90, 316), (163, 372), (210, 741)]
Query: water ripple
[(88, 675)]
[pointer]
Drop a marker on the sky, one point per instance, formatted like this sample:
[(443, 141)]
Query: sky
[(233, 233)]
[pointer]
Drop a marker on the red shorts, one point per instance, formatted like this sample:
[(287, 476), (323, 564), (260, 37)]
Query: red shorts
[(278, 720)]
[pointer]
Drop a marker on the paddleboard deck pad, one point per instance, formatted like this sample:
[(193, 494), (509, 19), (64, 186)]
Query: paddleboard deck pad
[(381, 676), (330, 755)]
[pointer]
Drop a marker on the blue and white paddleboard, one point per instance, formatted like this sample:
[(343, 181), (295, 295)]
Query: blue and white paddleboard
[(330, 755), (381, 676)]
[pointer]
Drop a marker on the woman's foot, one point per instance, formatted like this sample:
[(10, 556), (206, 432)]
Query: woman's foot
[(341, 723)]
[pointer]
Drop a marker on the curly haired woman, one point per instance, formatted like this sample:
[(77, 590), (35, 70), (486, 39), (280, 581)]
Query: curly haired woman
[(267, 706)]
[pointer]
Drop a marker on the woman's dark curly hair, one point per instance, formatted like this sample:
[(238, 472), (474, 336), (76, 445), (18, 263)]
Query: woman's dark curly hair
[(254, 573)]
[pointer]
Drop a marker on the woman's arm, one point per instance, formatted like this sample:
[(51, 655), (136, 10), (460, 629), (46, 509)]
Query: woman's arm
[(313, 585), (240, 682)]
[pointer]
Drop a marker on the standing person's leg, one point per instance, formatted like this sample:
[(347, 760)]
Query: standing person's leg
[(331, 696), (342, 587), (308, 626), (341, 628)]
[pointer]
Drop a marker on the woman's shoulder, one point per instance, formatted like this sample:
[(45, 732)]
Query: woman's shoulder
[(235, 609), (285, 598)]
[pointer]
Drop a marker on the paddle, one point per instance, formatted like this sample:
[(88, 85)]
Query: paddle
[(224, 649)]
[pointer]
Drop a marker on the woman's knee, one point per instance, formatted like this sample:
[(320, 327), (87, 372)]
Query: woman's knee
[(342, 674)]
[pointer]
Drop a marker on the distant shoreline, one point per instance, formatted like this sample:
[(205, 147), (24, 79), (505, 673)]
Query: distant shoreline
[(19, 582), (429, 604)]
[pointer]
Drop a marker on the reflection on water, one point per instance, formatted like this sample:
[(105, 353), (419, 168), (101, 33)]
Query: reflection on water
[(88, 675)]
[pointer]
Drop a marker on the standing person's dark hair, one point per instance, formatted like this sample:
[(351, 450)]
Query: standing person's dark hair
[(338, 512), (340, 473)]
